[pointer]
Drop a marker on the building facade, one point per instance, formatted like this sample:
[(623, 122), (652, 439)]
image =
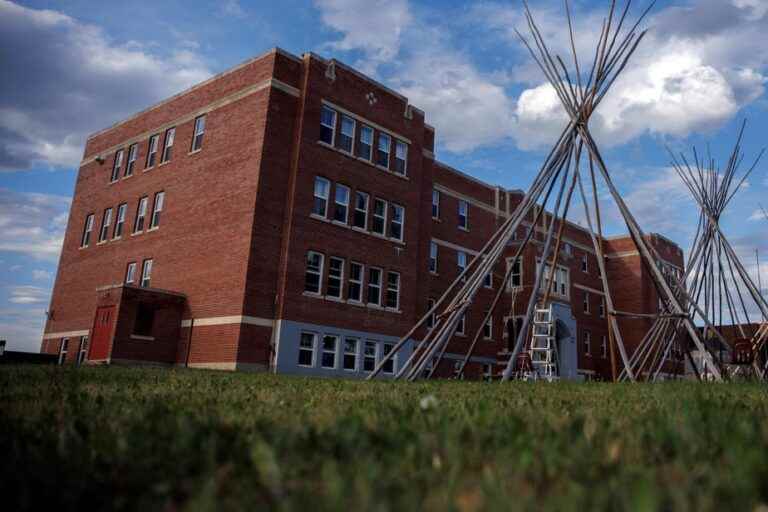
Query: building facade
[(289, 214)]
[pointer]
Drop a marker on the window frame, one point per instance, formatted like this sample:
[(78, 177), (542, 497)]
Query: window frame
[(587, 343), (82, 351), (357, 282), (461, 256), (391, 365), (346, 353), (130, 273), (400, 144), (465, 225), (197, 134), (63, 351), (394, 207), (512, 274), (586, 307), (364, 212), (141, 215), (435, 204), (319, 272), (168, 141), (393, 289), (326, 108), (146, 273), (106, 223), (316, 197), (334, 352), (364, 128), (604, 347), (157, 208), (85, 239), (379, 151), (153, 145), (383, 232), (133, 155), (376, 285), (312, 351), (351, 136), (117, 231), (433, 259), (432, 317), (488, 325), (367, 357), (584, 264), (337, 205), (117, 164), (339, 277), (461, 326)]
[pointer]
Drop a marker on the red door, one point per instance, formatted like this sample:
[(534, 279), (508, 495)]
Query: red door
[(102, 332)]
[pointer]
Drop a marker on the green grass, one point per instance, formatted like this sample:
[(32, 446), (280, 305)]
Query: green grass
[(126, 438)]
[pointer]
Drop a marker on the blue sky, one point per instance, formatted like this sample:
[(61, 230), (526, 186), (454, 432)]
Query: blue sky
[(71, 68)]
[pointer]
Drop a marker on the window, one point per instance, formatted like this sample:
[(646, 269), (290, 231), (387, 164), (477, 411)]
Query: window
[(350, 353), (63, 349), (133, 153), (327, 125), (587, 343), (141, 214), (157, 208), (307, 349), (335, 277), (379, 216), (106, 222), (365, 145), (355, 288), (369, 356), (117, 165), (516, 276), (130, 273), (462, 325), (561, 281), (487, 372), (152, 151), (393, 290), (435, 204), (488, 281), (461, 261), (322, 189), (396, 221), (568, 249), (341, 200), (389, 366), (431, 317), (382, 153), (83, 352), (433, 257), (197, 137), (602, 307), (313, 272), (401, 157), (87, 231), (328, 357), (347, 134), (463, 214), (145, 318), (120, 221), (488, 327), (360, 218), (584, 267), (586, 302), (170, 134), (374, 286), (146, 273), (604, 347)]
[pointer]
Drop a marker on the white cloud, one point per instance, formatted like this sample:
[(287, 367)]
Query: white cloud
[(22, 328), (28, 295), (65, 79), (758, 214), (41, 275), (372, 26), (233, 8), (32, 224)]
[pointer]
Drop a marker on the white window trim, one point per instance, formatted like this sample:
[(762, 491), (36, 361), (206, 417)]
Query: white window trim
[(340, 278), (395, 206), (388, 152), (326, 198), (509, 282), (335, 122), (122, 209), (313, 350), (392, 360), (354, 131), (489, 323), (337, 203), (159, 197), (400, 143), (141, 213), (146, 272), (62, 351), (133, 154), (465, 227), (433, 245), (587, 341), (585, 306), (436, 206), (379, 285), (320, 273), (356, 354), (168, 142), (357, 282), (363, 356), (384, 219), (130, 272), (106, 223), (117, 165), (364, 126), (365, 212), (196, 133), (152, 148), (324, 351), (604, 347), (85, 240), (396, 290)]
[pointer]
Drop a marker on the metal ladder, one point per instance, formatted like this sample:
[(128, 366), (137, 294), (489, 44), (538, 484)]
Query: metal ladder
[(543, 348)]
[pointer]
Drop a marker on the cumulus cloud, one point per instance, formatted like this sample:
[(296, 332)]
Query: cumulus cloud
[(32, 224), (64, 79), (28, 295), (371, 26)]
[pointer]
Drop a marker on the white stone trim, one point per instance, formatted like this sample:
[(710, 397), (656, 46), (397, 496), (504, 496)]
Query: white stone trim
[(366, 121), (588, 289), (65, 334), (228, 320), (456, 247), (221, 102)]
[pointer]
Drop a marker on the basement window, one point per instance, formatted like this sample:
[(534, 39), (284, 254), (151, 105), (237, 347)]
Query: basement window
[(145, 319), (347, 134), (197, 138), (389, 366), (382, 153), (133, 153), (350, 353), (365, 145), (369, 356), (87, 231), (307, 349), (118, 163), (314, 272), (170, 134), (327, 125), (330, 344)]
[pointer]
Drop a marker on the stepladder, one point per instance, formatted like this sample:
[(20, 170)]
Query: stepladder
[(543, 348)]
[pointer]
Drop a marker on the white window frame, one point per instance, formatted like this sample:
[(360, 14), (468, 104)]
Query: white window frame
[(312, 350), (319, 272), (376, 285), (157, 209), (117, 165), (393, 289), (339, 277), (117, 232), (63, 351), (354, 353), (392, 221), (587, 341), (562, 283), (512, 274), (435, 204), (585, 263), (198, 133), (461, 262), (318, 195), (357, 282), (141, 215), (338, 204), (133, 153), (388, 138), (130, 273), (146, 273), (398, 146), (604, 347), (602, 307), (334, 352), (366, 129), (585, 303), (377, 200), (487, 372), (391, 365), (152, 148), (358, 195), (85, 240), (82, 350), (168, 140), (326, 108), (350, 135), (106, 223), (434, 253), (464, 214), (367, 357)]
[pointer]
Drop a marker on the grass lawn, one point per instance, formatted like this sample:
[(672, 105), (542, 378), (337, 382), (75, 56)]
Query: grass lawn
[(146, 439)]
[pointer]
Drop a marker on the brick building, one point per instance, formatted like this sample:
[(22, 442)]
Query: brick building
[(289, 214)]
